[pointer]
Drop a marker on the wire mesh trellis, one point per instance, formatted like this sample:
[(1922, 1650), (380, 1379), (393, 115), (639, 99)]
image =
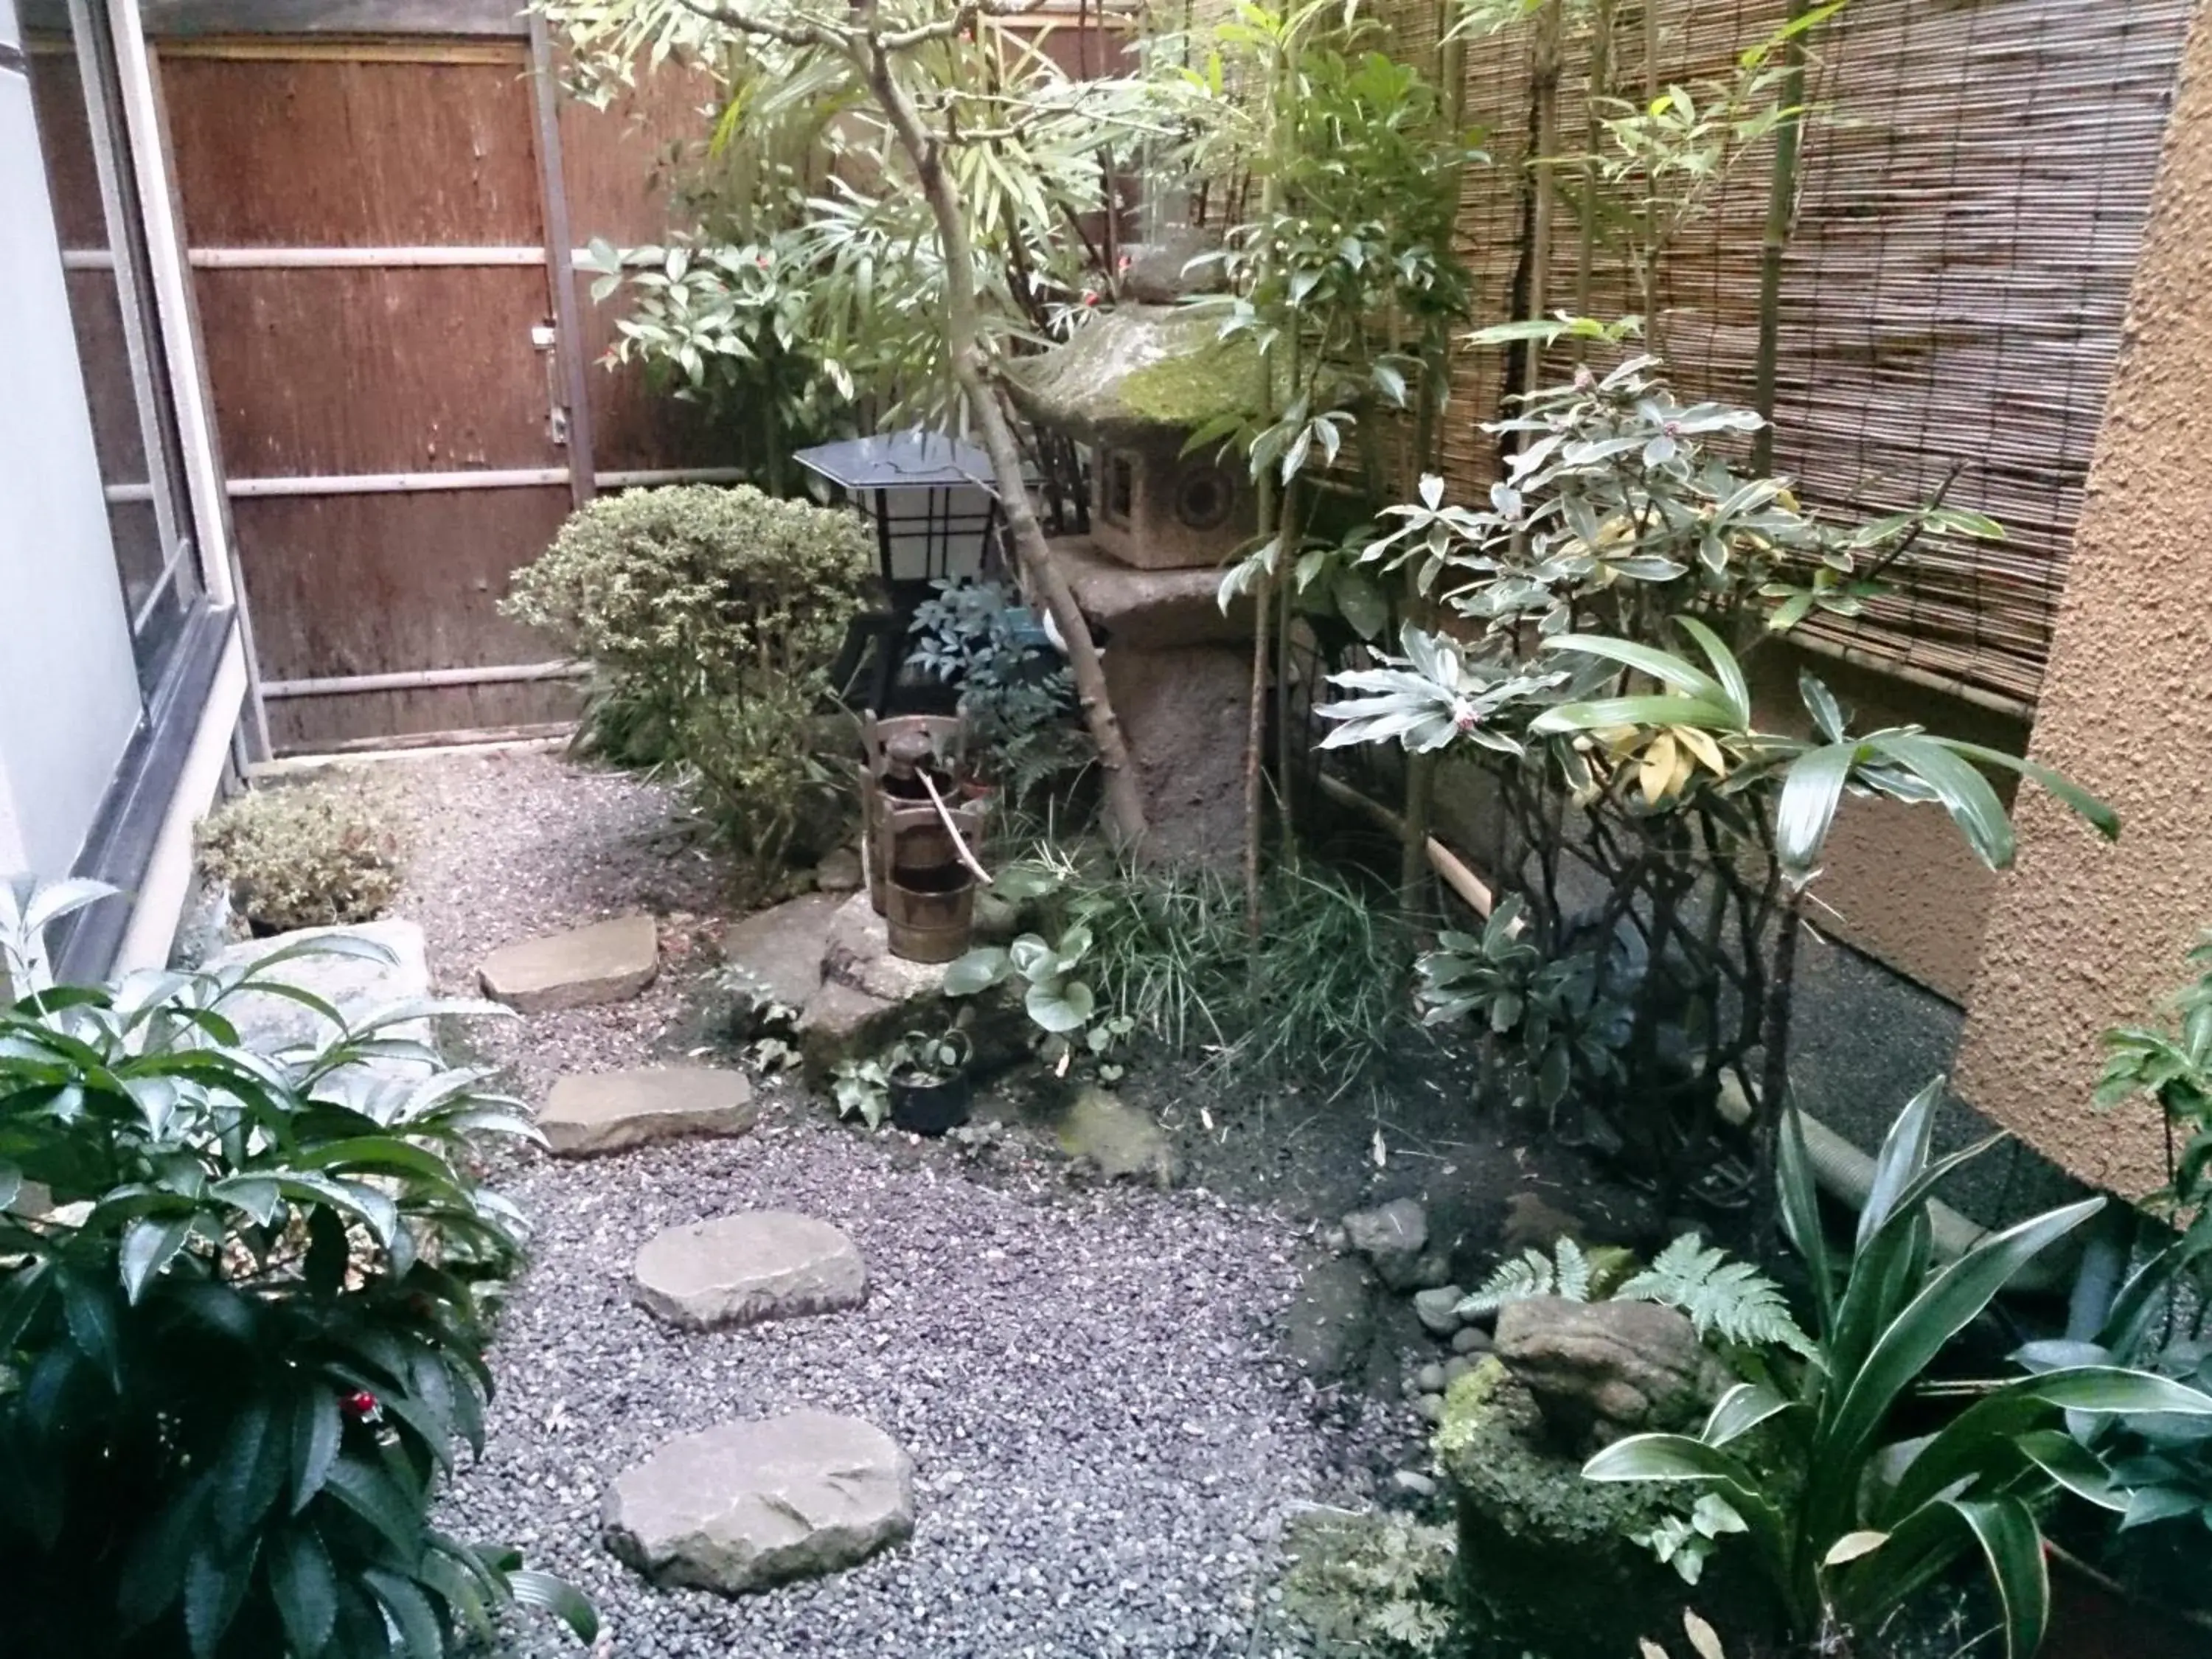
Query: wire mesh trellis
[(1976, 179)]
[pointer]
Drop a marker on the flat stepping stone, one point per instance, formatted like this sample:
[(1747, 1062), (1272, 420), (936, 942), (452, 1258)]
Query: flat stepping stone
[(742, 1506), (607, 962), (357, 985), (780, 949), (594, 1112), (741, 1269)]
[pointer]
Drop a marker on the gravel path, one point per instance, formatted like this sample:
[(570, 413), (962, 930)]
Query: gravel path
[(1107, 1442)]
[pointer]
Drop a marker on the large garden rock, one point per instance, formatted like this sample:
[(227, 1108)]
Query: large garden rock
[(742, 1269), (606, 961), (868, 997), (1601, 1370), (1392, 1237), (780, 949), (746, 1505), (594, 1112), (1547, 1560), (1330, 1325)]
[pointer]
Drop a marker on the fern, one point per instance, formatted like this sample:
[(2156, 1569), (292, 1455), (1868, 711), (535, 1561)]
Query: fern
[(1723, 1297), (1565, 1273)]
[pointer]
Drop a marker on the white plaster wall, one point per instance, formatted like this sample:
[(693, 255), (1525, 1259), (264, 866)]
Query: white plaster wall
[(68, 695)]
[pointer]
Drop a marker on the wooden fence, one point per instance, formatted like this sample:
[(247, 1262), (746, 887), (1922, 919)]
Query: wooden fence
[(383, 197), (384, 200)]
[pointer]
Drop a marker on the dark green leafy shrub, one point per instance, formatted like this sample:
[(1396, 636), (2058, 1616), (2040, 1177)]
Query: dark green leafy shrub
[(1846, 1515), (239, 1345), (712, 617), (696, 591), (307, 855)]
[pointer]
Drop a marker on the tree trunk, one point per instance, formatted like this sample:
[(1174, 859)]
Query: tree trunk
[(964, 347)]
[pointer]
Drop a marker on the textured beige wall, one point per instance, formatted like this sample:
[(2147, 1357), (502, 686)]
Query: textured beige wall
[(2087, 934)]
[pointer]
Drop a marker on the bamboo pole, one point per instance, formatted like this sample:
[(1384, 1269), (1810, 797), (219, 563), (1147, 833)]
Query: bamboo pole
[(1781, 211)]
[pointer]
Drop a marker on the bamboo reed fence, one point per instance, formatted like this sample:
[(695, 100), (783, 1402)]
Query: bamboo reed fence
[(1973, 187)]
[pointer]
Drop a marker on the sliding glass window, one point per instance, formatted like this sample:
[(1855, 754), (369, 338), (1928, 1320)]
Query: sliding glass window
[(75, 93)]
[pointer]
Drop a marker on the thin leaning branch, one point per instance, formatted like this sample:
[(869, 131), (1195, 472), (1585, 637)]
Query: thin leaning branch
[(812, 34)]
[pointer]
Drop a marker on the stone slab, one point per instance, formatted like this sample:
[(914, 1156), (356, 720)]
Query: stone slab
[(744, 1268), (595, 1112), (744, 1506), (1125, 1142), (607, 962), (857, 951), (781, 948), (1149, 610), (1184, 710), (357, 987)]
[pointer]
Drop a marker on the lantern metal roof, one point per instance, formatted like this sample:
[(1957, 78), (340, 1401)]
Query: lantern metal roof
[(914, 460)]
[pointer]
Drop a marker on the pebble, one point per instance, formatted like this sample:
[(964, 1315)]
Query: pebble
[(1431, 1379), (1085, 1379), (1439, 1308), (1431, 1407), (1471, 1338)]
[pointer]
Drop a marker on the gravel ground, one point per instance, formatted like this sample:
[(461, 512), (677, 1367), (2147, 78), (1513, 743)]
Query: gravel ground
[(1107, 1441)]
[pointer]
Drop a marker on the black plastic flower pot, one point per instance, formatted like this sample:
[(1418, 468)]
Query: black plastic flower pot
[(930, 1107)]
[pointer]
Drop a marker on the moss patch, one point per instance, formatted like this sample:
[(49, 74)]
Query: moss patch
[(1213, 378), (1139, 369), (1369, 1585), (1546, 1564)]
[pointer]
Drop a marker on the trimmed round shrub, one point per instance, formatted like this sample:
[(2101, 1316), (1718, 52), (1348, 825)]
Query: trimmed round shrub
[(302, 855), (697, 590), (711, 615)]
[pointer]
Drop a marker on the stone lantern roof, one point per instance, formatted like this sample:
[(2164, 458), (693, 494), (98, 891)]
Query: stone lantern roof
[(1138, 371)]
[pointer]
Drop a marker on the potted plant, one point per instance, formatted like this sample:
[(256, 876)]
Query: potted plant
[(927, 1077)]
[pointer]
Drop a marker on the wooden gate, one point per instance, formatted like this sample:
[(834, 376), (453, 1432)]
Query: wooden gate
[(382, 228)]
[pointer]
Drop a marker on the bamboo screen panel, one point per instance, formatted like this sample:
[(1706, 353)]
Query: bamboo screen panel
[(1973, 193)]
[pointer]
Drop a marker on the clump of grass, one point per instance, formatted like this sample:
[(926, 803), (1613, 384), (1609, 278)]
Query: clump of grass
[(1321, 993)]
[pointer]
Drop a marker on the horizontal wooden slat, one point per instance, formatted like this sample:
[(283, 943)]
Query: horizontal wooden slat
[(425, 679), (399, 483), (419, 484), (360, 258), (207, 17)]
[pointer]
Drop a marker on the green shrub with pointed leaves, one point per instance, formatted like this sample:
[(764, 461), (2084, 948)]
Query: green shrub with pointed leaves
[(242, 1327), (1599, 611), (1846, 1515)]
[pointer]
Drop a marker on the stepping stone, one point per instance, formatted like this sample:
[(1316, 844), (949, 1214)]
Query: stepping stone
[(607, 962), (356, 985), (606, 1111), (780, 949), (742, 1269), (742, 1506)]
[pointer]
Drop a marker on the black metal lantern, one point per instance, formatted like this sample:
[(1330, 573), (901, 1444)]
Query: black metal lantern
[(932, 503), (929, 498)]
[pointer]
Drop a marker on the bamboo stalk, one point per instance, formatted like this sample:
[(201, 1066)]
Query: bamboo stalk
[(1781, 209)]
